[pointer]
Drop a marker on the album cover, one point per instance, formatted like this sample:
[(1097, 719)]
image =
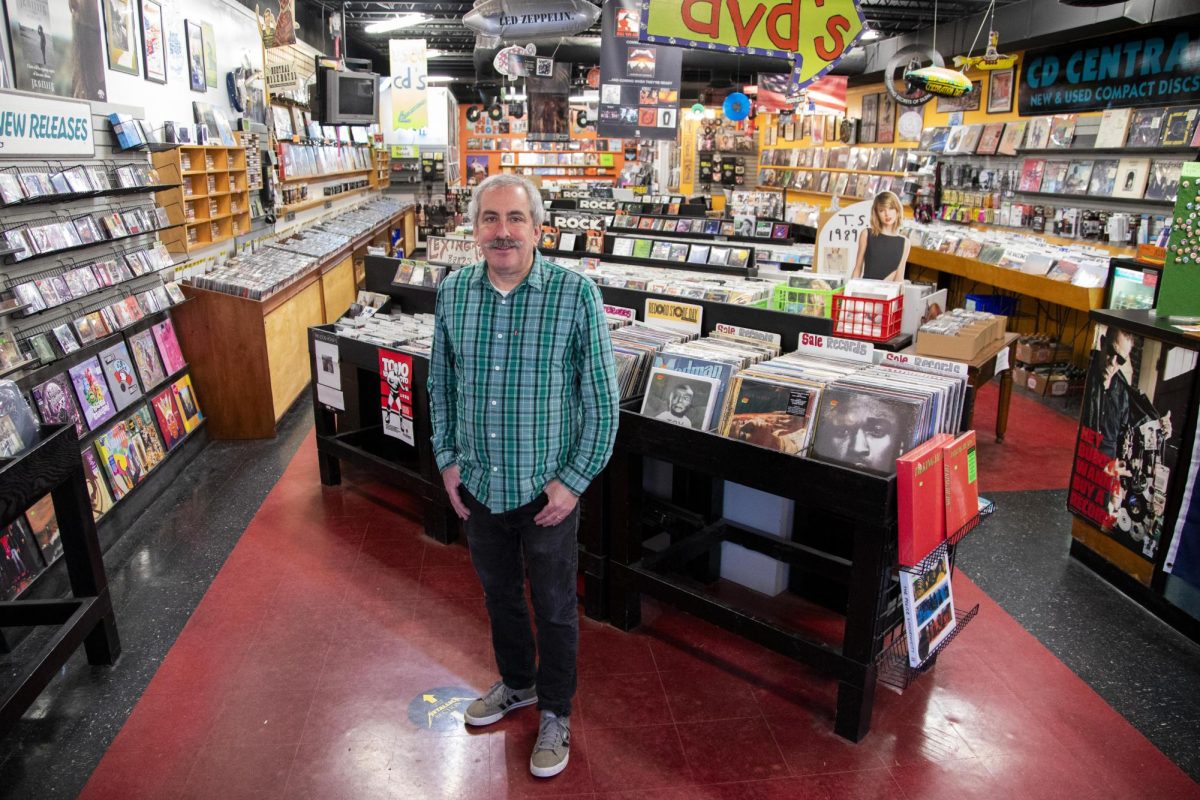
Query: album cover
[(120, 372), (864, 430), (168, 346), (1013, 138), (1145, 127), (928, 610), (170, 418), (1078, 176), (55, 401), (144, 438), (1062, 131), (44, 526), (1178, 126), (92, 392), (101, 498), (22, 563), (1031, 175), (1132, 174), (1037, 134), (1104, 178), (65, 338), (772, 415), (121, 460), (1164, 180), (1054, 177), (680, 399), (189, 406), (989, 140), (1114, 127)]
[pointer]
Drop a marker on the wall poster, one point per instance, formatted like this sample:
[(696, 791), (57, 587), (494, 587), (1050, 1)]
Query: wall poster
[(153, 47), (1134, 408), (56, 48), (639, 82), (120, 31)]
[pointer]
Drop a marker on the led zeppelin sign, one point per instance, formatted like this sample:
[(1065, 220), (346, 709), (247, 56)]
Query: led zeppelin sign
[(814, 33), (1143, 67)]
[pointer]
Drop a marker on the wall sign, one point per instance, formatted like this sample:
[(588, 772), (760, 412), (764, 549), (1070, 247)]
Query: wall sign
[(410, 107), (39, 126), (815, 33), (1144, 67)]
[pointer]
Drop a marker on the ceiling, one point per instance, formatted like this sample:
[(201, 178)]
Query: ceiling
[(445, 31)]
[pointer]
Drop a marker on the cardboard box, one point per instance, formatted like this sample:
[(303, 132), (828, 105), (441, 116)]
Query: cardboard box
[(1037, 382), (1020, 375), (1043, 352), (961, 347)]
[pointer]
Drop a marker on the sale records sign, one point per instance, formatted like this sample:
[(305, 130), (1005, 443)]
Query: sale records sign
[(815, 33), (395, 394), (43, 126), (1147, 66)]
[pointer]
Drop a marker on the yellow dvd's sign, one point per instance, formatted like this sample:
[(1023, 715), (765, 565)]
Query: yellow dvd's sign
[(816, 33)]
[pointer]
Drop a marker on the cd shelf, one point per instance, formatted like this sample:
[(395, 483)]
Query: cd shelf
[(893, 666)]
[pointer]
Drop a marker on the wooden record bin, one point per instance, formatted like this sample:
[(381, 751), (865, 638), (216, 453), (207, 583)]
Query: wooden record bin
[(213, 201)]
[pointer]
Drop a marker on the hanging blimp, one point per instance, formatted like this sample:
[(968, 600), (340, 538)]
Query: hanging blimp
[(531, 19)]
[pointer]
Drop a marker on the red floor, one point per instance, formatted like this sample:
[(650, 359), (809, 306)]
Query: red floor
[(294, 677), (1036, 435)]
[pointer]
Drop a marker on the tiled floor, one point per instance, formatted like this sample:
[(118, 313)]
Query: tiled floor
[(370, 625)]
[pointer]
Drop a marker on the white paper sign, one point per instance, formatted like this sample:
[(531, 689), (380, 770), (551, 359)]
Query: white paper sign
[(936, 366), (42, 126), (452, 252)]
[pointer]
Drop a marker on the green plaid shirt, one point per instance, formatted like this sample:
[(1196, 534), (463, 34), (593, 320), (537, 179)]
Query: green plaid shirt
[(523, 388)]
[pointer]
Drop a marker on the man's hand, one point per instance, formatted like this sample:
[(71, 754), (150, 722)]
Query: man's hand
[(452, 482), (562, 502)]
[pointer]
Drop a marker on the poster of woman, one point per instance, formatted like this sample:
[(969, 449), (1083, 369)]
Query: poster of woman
[(56, 48)]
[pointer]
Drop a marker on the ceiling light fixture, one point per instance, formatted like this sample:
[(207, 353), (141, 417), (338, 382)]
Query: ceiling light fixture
[(440, 79), (870, 34), (398, 22)]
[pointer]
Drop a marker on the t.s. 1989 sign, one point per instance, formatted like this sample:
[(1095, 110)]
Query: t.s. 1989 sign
[(1144, 67)]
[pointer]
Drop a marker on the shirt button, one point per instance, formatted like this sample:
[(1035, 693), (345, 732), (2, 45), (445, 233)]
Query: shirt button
[(493, 435), (499, 335), (497, 368), (495, 469), (493, 402), (503, 302)]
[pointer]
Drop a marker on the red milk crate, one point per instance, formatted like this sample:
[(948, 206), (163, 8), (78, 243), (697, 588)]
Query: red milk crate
[(867, 318)]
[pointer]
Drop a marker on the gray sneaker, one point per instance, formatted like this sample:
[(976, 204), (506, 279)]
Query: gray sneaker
[(498, 701), (553, 747)]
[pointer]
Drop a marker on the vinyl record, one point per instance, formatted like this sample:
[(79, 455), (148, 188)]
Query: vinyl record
[(474, 113), (495, 110), (581, 119), (736, 107)]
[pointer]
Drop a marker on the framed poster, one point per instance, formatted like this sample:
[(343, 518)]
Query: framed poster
[(1000, 91), (870, 118), (57, 49), (886, 134), (210, 55), (968, 102), (195, 55), (153, 46), (120, 31)]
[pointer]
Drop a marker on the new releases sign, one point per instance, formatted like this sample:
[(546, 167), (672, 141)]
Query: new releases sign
[(1144, 67), (815, 33), (37, 126)]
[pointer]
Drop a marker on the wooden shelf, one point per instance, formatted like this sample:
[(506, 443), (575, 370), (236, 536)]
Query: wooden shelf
[(1036, 286), (325, 175), (761, 167), (316, 201)]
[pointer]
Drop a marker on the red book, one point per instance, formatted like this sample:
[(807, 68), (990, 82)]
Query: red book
[(962, 484), (920, 498)]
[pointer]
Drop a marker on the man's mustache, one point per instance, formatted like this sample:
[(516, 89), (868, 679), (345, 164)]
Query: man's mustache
[(494, 243)]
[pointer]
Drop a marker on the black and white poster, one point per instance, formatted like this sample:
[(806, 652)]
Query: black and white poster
[(56, 48), (639, 82)]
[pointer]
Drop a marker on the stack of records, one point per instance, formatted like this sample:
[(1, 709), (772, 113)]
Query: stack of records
[(634, 347)]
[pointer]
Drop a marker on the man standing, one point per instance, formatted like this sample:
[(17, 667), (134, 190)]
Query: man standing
[(523, 398)]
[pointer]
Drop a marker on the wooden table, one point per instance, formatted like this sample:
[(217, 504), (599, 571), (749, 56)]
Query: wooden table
[(982, 368)]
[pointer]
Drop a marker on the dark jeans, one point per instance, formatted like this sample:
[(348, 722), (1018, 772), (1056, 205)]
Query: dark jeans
[(504, 548)]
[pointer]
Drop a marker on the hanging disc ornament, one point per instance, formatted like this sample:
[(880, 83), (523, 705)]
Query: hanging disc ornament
[(496, 111), (473, 113), (736, 107)]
